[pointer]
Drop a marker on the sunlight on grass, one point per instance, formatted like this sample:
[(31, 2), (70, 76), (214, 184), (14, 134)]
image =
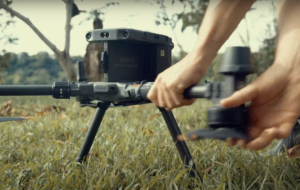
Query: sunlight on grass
[(132, 150)]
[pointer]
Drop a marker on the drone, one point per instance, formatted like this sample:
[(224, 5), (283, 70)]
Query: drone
[(131, 61)]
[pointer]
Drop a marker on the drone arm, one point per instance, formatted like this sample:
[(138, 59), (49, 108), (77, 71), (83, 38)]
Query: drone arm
[(24, 90), (106, 92)]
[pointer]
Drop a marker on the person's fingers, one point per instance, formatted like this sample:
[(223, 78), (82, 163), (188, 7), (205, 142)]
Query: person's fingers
[(267, 119), (161, 100), (254, 131), (242, 143), (267, 135), (241, 97), (284, 130), (263, 140), (188, 102), (176, 99), (174, 96), (152, 93), (231, 141), (168, 100)]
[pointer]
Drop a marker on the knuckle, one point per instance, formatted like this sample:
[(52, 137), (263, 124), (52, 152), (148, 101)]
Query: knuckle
[(277, 134), (177, 103), (188, 102), (161, 104), (150, 96), (159, 77), (180, 87), (168, 85), (169, 108), (283, 134)]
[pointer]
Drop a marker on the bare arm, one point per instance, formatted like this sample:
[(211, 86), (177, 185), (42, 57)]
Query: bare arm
[(221, 19), (288, 41)]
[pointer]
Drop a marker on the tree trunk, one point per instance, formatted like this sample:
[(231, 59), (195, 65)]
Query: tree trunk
[(67, 66), (63, 57), (92, 58)]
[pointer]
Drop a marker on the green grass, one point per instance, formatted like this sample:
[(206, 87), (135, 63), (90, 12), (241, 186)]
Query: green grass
[(130, 151)]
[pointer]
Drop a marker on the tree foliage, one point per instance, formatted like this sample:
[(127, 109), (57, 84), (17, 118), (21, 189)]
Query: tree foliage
[(63, 56), (98, 13), (6, 24), (191, 16), (41, 68), (5, 58)]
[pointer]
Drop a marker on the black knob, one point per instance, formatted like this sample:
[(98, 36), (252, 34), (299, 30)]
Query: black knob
[(237, 60), (80, 72)]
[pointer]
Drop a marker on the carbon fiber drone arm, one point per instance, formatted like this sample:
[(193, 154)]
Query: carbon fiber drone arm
[(102, 91)]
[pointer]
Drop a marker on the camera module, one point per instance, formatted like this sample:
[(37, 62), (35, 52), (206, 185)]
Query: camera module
[(88, 36), (125, 34)]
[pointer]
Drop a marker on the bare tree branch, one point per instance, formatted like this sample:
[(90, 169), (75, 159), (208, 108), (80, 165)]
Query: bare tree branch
[(242, 39), (69, 7), (171, 24), (31, 25), (247, 31)]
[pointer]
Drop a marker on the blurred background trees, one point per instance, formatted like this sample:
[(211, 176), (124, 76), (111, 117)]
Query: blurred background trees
[(44, 68), (63, 57)]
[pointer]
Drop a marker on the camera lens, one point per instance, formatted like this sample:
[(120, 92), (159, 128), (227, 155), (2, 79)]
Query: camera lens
[(125, 34), (88, 36)]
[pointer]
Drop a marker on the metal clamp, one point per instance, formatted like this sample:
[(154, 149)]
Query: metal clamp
[(139, 89)]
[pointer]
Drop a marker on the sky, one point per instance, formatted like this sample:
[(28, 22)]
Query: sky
[(49, 17)]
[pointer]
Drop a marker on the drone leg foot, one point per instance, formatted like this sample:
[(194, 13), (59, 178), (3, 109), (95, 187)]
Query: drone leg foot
[(180, 145), (88, 142)]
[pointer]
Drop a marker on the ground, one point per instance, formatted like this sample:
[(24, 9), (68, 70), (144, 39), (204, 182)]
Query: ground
[(132, 150)]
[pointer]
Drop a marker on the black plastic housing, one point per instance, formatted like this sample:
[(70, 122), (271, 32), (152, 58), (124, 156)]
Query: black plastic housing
[(219, 117), (132, 55), (237, 61)]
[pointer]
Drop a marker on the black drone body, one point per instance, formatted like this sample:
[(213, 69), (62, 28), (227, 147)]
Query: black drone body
[(131, 61)]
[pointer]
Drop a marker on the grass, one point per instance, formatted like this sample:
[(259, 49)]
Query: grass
[(132, 150)]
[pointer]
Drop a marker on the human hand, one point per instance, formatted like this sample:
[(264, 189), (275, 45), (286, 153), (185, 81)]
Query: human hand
[(169, 86), (274, 109)]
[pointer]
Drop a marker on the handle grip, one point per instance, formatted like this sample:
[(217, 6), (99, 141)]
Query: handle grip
[(196, 91)]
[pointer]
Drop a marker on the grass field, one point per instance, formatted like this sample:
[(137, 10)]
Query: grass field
[(132, 150)]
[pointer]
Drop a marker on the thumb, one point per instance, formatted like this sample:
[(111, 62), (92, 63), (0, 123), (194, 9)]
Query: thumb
[(241, 97)]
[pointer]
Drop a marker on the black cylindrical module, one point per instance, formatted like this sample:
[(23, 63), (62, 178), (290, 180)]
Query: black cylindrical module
[(26, 90), (218, 116), (237, 60), (80, 72)]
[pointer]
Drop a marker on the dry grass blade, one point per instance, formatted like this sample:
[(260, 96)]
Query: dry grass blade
[(151, 117), (149, 132)]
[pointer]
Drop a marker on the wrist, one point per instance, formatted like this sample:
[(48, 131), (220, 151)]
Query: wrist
[(202, 55)]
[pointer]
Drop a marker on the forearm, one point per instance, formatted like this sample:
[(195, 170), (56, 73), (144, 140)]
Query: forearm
[(221, 19), (288, 40)]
